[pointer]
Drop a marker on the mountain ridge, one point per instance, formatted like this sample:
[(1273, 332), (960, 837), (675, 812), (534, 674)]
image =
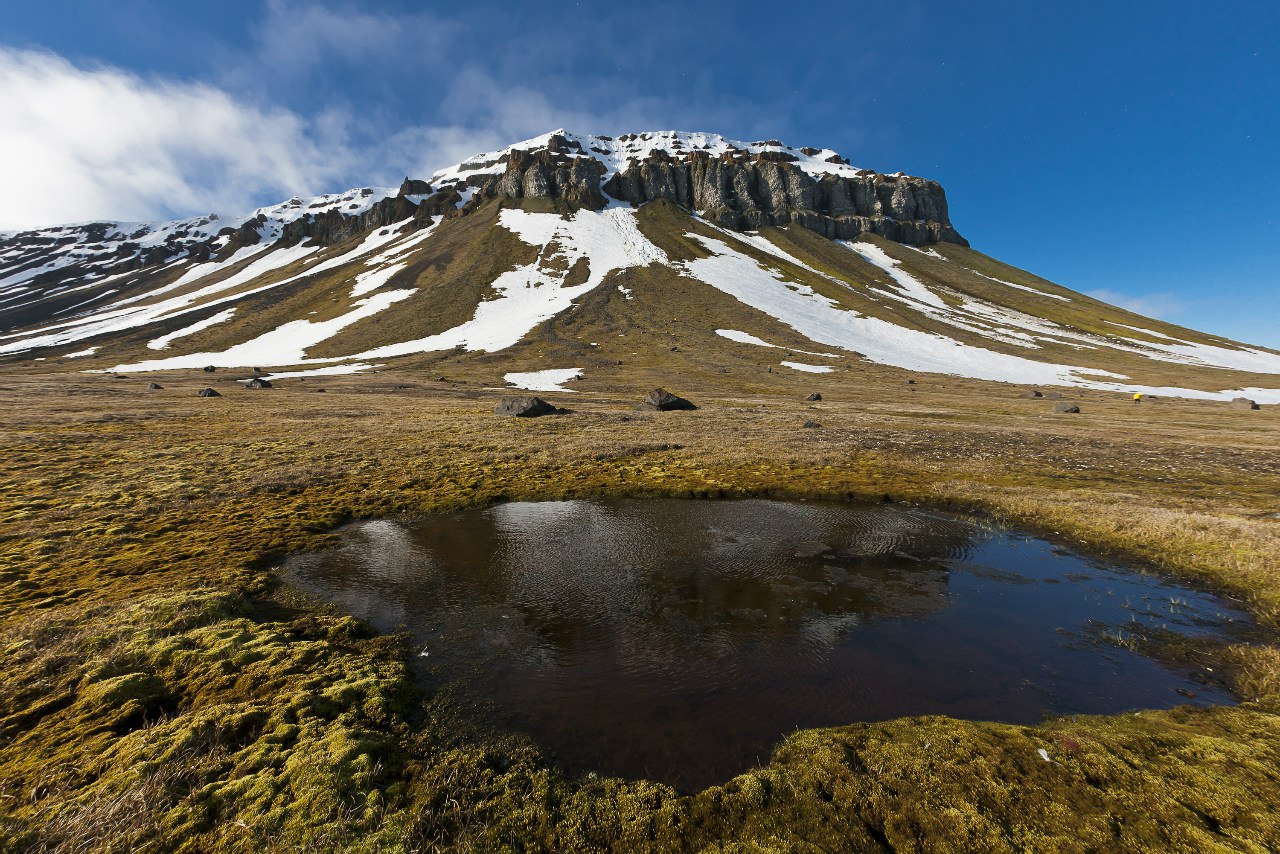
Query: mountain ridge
[(508, 249)]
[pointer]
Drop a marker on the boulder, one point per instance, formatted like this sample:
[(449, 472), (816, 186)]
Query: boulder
[(811, 425), (1066, 407), (208, 369), (258, 382), (661, 400), (154, 387), (911, 382), (208, 392), (1243, 403), (814, 396), (1035, 392), (526, 407)]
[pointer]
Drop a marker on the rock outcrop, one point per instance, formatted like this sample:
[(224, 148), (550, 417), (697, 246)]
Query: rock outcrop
[(737, 189), (744, 191), (661, 400), (526, 407)]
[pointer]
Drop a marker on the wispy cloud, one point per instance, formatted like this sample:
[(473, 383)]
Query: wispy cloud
[(1162, 306), (314, 100), (83, 143)]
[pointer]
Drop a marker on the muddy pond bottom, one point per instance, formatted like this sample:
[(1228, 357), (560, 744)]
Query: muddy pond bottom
[(681, 640)]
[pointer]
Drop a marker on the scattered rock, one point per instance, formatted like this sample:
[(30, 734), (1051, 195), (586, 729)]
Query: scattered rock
[(258, 382), (1052, 395), (662, 400), (911, 382), (441, 379), (1035, 392), (811, 425), (208, 392), (814, 396), (1066, 407), (154, 387), (208, 369), (526, 407), (1243, 403), (319, 391), (257, 370)]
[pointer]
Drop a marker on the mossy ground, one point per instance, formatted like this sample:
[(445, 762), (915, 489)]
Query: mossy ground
[(161, 692)]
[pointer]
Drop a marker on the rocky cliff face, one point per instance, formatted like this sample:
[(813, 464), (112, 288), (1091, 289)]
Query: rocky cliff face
[(737, 188), (739, 185)]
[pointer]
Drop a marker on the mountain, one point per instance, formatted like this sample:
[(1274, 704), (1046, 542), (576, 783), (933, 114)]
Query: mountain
[(574, 258)]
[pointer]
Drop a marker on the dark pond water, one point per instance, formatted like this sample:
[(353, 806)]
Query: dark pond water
[(681, 640)]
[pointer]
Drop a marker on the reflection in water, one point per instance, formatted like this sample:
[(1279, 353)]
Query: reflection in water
[(680, 640)]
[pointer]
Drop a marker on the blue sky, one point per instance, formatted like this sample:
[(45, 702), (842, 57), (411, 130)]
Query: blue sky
[(1127, 150)]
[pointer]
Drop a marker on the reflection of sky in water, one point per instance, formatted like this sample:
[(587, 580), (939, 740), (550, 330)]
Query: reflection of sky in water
[(680, 639)]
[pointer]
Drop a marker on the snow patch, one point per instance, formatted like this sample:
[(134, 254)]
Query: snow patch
[(285, 345), (163, 341), (609, 240), (809, 369), (329, 370), (550, 379)]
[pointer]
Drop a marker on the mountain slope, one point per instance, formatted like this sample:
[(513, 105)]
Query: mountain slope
[(730, 264)]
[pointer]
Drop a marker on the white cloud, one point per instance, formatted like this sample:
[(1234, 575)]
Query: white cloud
[(101, 143), (1159, 305)]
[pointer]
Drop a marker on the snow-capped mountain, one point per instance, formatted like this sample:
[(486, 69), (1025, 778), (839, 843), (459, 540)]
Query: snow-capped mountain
[(568, 254)]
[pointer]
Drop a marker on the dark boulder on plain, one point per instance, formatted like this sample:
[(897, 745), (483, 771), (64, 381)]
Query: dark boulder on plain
[(814, 396), (258, 382), (811, 425), (526, 407), (1243, 403), (208, 369), (1035, 392), (154, 387), (661, 400), (208, 392), (1066, 407)]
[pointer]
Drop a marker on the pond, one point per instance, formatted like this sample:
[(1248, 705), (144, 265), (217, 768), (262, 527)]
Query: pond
[(681, 640)]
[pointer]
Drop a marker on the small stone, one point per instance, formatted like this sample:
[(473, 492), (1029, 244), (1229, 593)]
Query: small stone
[(208, 369), (814, 396), (1035, 392), (154, 387), (208, 392), (911, 382), (1066, 407), (258, 382), (811, 425)]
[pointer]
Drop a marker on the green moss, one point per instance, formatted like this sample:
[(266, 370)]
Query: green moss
[(162, 692)]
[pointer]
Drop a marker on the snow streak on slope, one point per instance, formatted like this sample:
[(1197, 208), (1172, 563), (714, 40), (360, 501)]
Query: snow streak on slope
[(910, 286), (163, 341), (526, 296), (285, 345), (116, 319), (821, 319), (99, 246)]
